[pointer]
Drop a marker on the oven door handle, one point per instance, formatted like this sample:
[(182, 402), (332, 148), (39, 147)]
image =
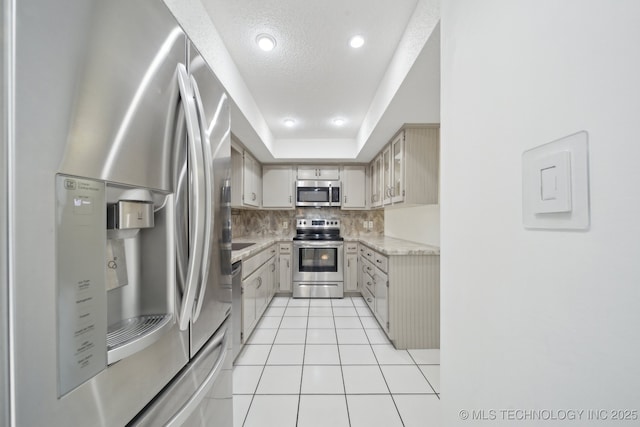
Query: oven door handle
[(317, 243)]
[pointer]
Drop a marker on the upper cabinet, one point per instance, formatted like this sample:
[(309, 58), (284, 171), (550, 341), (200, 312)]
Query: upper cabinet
[(386, 175), (375, 175), (277, 187), (252, 181), (406, 171), (246, 180), (353, 187), (315, 173)]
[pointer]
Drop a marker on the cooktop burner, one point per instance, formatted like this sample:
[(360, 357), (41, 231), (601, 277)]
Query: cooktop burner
[(318, 229)]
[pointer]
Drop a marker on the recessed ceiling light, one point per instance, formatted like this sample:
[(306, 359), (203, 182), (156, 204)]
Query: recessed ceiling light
[(289, 122), (356, 41), (266, 42), (338, 122)]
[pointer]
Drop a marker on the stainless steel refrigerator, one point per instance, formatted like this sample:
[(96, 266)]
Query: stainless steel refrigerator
[(117, 219)]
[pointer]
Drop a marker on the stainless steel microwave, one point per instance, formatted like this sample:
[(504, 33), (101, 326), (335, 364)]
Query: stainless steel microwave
[(317, 193)]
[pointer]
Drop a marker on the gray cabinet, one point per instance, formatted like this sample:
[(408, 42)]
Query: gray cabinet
[(403, 292), (252, 182), (381, 286), (284, 263), (406, 171), (246, 179), (277, 187), (249, 296), (353, 187), (317, 172), (258, 288), (375, 186), (351, 267)]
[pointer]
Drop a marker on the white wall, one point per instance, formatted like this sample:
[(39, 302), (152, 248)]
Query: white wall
[(418, 224), (538, 320)]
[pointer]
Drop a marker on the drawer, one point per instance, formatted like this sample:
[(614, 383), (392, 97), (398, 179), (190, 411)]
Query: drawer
[(367, 267), (284, 248), (369, 283), (369, 254), (382, 262), (351, 248), (252, 264), (370, 299)]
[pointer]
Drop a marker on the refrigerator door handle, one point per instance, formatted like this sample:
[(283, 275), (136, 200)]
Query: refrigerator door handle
[(187, 409), (209, 190), (196, 164)]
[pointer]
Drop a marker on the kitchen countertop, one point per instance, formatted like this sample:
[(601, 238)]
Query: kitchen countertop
[(383, 244), (392, 246), (261, 243)]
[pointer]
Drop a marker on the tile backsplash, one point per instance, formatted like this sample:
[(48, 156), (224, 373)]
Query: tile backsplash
[(247, 223)]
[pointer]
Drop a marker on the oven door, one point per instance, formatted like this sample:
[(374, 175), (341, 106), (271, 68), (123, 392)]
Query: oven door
[(317, 261)]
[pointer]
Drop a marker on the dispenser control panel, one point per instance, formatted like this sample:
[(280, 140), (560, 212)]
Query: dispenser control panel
[(81, 299)]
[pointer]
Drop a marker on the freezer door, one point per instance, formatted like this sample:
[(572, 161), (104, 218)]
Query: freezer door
[(213, 299), (201, 395)]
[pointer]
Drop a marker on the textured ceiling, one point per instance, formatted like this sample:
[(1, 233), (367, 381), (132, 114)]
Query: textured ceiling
[(312, 75)]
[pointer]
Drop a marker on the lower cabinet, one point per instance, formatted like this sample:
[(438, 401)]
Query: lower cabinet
[(249, 291), (403, 293), (381, 286), (284, 263), (351, 267), (258, 288)]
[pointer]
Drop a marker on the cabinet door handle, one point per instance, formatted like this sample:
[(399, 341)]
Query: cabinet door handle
[(259, 282), (345, 199), (287, 263), (253, 196), (289, 199), (348, 263), (273, 268)]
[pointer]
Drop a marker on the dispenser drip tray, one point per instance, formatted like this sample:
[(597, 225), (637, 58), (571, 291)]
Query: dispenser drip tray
[(132, 335)]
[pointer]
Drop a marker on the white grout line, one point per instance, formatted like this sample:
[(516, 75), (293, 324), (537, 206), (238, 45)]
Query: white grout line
[(335, 330)]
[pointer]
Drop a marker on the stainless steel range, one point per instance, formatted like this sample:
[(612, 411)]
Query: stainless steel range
[(318, 259)]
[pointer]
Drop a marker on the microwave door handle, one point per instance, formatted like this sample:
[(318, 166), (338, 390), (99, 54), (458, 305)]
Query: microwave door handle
[(208, 192), (330, 195), (195, 155)]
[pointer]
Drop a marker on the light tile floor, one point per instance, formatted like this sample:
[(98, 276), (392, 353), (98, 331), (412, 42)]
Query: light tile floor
[(320, 362)]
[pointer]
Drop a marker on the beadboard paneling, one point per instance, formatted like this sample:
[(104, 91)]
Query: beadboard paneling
[(414, 301)]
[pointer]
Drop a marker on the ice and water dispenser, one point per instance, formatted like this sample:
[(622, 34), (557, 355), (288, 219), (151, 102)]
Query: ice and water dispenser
[(116, 293)]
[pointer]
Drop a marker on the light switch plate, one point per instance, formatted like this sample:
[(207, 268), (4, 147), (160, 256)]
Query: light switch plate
[(554, 179), (555, 184)]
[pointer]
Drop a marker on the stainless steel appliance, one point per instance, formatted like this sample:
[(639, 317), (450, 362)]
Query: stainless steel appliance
[(318, 259), (236, 312), (119, 247), (317, 193)]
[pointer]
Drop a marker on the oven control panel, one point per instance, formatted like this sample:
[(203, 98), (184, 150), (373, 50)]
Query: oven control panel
[(317, 223)]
